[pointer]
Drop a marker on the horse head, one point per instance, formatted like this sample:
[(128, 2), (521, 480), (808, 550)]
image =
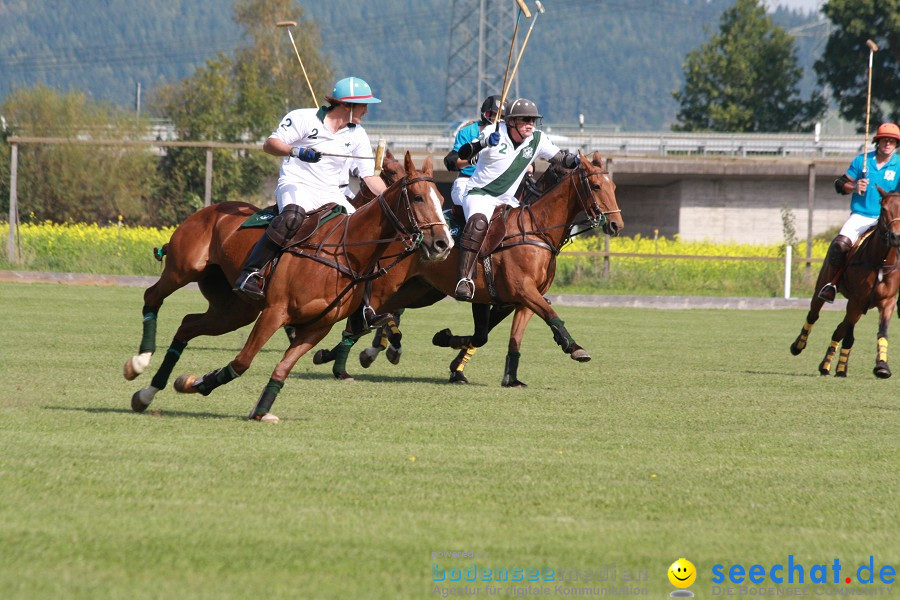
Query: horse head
[(889, 220), (422, 209), (597, 194)]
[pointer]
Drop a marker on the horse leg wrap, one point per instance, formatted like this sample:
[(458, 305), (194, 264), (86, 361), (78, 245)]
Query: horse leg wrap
[(462, 359), (882, 349), (561, 335), (804, 335), (843, 359), (825, 365), (511, 370), (381, 338), (266, 399), (214, 379), (341, 352), (148, 339), (161, 379)]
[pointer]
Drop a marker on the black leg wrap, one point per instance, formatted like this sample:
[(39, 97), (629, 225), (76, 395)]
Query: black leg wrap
[(161, 379), (214, 379), (511, 371), (148, 339), (266, 399), (561, 335)]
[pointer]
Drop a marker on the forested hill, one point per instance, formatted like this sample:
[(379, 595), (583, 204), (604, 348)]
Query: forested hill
[(615, 61)]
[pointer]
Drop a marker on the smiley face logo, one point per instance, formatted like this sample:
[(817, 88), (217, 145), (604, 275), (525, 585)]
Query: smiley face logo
[(682, 573)]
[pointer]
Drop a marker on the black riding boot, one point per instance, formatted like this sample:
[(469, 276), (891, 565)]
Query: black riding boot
[(249, 283), (834, 266), (469, 244)]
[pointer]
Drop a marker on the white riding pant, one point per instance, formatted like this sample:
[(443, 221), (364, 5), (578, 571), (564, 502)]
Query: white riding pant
[(309, 200), (457, 189), (482, 204), (857, 225)]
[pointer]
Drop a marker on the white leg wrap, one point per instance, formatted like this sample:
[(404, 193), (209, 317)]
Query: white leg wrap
[(140, 362)]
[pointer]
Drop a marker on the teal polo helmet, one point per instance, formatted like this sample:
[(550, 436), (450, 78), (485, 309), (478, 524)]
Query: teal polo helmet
[(352, 90)]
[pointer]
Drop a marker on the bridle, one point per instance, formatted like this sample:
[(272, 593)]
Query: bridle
[(410, 238), (594, 214), (885, 224)]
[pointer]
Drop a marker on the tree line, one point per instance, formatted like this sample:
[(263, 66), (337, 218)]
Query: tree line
[(743, 78)]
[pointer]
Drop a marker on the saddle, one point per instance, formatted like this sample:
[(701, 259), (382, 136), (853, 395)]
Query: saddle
[(314, 220), (496, 227)]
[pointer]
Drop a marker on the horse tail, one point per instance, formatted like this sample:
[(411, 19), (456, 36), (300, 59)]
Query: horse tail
[(158, 253)]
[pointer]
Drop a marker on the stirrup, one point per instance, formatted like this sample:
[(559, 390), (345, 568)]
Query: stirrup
[(828, 293), (463, 293), (244, 279), (374, 320)]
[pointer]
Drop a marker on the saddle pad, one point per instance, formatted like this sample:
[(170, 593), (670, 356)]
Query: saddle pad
[(263, 217)]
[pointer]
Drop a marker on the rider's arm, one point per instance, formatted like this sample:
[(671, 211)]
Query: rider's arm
[(276, 147), (565, 159), (375, 184)]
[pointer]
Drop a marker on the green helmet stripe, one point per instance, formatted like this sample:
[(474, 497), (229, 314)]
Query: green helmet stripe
[(502, 183)]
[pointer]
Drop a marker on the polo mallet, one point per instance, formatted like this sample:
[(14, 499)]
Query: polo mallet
[(873, 48), (522, 10), (287, 25), (379, 155), (512, 76)]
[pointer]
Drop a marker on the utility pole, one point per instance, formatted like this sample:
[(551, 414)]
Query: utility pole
[(479, 37)]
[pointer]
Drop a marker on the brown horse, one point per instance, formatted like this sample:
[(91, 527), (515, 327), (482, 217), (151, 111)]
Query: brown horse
[(871, 278), (315, 283), (523, 267)]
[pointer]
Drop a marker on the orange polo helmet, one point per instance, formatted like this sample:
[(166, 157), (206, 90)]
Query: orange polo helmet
[(887, 130)]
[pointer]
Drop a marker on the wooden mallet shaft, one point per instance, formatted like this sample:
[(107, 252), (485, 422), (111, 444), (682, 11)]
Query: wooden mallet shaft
[(288, 25), (873, 48)]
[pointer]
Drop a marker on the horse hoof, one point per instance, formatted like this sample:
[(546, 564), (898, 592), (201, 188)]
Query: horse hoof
[(136, 365), (393, 354), (882, 370), (343, 376), (266, 418), (323, 356), (580, 355), (795, 350), (442, 338), (841, 374), (367, 356), (515, 383), (185, 384), (137, 403), (458, 377)]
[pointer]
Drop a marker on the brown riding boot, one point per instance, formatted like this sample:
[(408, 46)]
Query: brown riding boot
[(834, 267), (249, 283), (469, 244)]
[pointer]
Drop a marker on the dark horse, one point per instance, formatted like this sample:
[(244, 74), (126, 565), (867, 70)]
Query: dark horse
[(871, 278), (522, 265), (315, 284)]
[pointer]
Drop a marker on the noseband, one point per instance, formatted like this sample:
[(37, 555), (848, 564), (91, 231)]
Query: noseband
[(411, 238), (595, 215)]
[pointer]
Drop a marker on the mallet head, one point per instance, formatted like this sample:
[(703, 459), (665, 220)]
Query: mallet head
[(286, 24), (872, 45), (524, 8), (540, 6)]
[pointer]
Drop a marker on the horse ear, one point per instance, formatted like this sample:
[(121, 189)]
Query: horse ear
[(596, 159), (428, 167), (388, 155), (408, 163), (881, 191)]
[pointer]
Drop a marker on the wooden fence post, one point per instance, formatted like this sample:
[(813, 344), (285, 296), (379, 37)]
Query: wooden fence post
[(810, 206), (207, 192), (13, 204)]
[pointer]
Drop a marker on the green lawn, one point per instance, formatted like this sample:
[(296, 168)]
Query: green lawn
[(691, 433)]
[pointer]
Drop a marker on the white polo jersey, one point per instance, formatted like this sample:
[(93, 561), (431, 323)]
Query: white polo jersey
[(500, 168), (312, 185)]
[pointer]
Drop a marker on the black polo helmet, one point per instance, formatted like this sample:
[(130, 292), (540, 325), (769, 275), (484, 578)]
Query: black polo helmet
[(491, 105), (522, 107)]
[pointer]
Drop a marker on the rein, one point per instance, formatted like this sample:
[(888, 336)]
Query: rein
[(588, 205), (410, 238)]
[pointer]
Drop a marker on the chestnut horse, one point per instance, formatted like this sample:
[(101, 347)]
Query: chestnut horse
[(871, 278), (314, 285), (523, 268)]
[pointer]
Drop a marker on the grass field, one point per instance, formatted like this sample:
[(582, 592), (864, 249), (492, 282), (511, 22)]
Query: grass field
[(691, 433)]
